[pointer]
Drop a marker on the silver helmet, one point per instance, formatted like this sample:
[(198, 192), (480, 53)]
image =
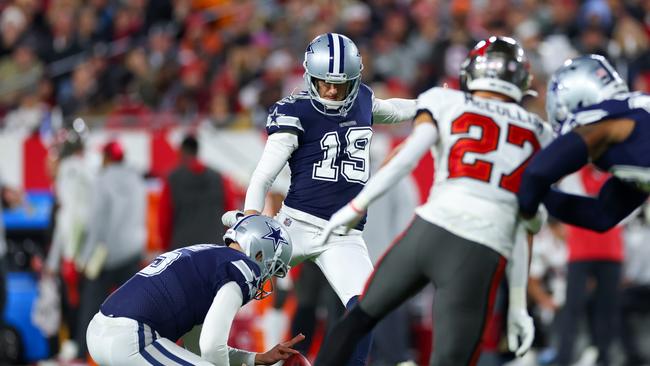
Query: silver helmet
[(334, 58), (265, 242), (579, 83)]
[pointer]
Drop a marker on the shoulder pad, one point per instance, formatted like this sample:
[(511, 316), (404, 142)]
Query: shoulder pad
[(283, 117), (293, 98), (639, 101)]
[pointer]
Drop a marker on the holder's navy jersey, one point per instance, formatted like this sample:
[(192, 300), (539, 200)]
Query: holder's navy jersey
[(332, 162), (630, 159), (175, 291)]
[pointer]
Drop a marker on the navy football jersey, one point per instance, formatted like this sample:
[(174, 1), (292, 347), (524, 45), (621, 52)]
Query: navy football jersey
[(630, 159), (175, 291), (332, 162)]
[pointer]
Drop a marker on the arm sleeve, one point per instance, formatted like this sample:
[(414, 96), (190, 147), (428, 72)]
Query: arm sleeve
[(538, 264), (615, 201), (216, 328), (565, 155), (394, 110), (423, 136), (517, 269), (277, 151)]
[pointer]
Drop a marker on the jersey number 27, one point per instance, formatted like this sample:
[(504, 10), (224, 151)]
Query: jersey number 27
[(488, 142)]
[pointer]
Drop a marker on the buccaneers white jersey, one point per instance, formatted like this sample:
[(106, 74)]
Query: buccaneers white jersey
[(482, 150)]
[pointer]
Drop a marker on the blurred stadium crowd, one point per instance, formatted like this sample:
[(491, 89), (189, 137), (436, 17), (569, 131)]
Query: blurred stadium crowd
[(226, 61), (155, 63)]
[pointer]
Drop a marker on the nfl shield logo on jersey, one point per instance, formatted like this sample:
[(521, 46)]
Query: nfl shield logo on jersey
[(287, 222)]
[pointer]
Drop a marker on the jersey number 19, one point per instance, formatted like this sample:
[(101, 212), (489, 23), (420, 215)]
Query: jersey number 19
[(354, 165)]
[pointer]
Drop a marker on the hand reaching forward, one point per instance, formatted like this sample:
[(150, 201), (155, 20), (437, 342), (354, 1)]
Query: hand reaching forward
[(280, 352), (348, 217)]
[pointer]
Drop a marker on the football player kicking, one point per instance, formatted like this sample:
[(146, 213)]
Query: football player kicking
[(140, 322), (599, 122), (324, 134), (462, 237)]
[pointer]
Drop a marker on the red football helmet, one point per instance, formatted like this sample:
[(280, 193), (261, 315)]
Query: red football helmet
[(497, 64)]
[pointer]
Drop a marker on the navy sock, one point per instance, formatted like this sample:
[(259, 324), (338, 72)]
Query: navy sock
[(361, 352)]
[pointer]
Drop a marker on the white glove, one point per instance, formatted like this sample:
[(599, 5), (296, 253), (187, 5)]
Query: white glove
[(534, 224), (348, 217), (231, 217), (520, 327)]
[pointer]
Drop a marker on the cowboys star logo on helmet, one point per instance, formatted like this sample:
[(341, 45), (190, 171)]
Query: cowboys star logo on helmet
[(275, 235)]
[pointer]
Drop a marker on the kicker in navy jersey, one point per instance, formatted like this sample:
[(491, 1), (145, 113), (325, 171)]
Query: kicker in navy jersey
[(332, 162), (324, 134)]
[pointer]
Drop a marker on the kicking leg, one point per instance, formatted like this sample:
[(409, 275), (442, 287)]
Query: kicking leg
[(396, 278), (346, 265)]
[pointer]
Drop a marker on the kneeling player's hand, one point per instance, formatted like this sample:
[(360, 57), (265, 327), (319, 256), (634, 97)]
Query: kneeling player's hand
[(280, 352), (348, 217), (521, 331), (230, 218)]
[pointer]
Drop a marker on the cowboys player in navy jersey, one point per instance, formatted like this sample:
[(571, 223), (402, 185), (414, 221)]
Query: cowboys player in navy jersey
[(600, 122), (324, 134), (200, 284)]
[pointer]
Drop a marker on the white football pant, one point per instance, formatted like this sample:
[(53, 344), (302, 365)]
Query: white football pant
[(124, 341), (344, 259)]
